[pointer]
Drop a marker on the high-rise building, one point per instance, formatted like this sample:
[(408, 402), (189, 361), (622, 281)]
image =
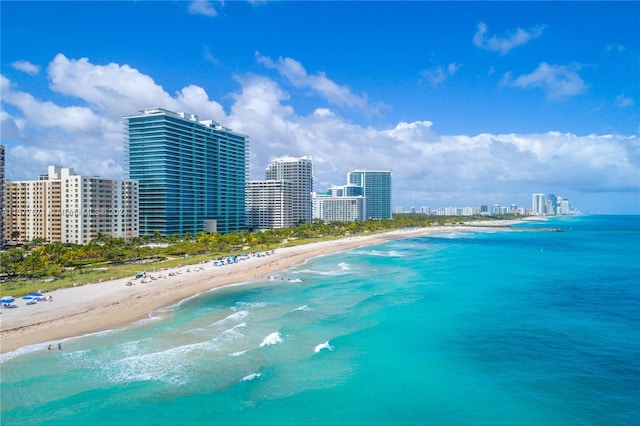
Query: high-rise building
[(64, 206), (269, 204), (192, 173), (298, 171), (338, 208), (2, 214), (538, 204), (376, 188)]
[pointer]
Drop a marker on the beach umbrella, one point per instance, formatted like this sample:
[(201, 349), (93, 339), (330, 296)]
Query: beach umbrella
[(7, 300), (28, 297), (35, 294)]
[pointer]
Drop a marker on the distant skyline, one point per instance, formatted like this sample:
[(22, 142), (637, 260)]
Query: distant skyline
[(468, 103)]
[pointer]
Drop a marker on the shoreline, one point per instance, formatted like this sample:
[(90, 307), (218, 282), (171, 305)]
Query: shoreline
[(92, 308)]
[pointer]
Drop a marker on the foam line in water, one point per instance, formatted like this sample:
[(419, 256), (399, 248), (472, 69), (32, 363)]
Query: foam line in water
[(251, 377), (302, 308), (322, 346), (271, 339)]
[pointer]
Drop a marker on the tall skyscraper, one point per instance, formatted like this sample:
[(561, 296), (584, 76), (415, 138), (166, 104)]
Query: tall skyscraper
[(376, 188), (64, 206), (192, 173), (299, 171), (538, 206)]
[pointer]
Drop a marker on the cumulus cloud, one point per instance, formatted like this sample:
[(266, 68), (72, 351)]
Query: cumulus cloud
[(428, 169), (26, 66), (319, 83), (512, 39), (557, 81)]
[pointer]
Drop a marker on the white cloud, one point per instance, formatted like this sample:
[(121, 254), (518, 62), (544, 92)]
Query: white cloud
[(512, 39), (439, 74), (624, 101), (26, 66), (557, 81), (428, 169), (319, 83), (202, 7)]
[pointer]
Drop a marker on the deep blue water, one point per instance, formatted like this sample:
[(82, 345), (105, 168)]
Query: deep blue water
[(481, 328)]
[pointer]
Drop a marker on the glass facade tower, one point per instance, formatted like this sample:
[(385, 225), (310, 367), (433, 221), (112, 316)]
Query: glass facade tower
[(376, 188), (192, 174)]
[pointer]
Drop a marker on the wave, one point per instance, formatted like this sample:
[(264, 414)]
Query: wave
[(272, 339), (251, 377), (391, 253), (303, 308), (249, 305), (239, 353), (322, 346)]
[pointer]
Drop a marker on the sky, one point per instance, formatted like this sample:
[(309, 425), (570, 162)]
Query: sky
[(468, 103)]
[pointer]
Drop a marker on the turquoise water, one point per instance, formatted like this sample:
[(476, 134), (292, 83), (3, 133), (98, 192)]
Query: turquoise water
[(499, 328)]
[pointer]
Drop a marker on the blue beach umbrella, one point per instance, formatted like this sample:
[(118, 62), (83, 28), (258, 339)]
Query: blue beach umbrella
[(35, 294), (7, 300), (28, 297)]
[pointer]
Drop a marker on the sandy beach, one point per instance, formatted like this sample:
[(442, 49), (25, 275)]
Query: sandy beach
[(113, 304)]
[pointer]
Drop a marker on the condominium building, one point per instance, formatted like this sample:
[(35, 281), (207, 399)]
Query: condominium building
[(376, 189), (269, 204), (64, 206), (1, 196), (298, 171), (338, 208), (538, 205), (192, 173)]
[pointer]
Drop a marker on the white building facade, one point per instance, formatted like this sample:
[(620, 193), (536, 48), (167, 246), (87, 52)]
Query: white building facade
[(64, 206)]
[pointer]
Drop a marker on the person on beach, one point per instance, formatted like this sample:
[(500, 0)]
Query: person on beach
[(49, 347), (59, 346)]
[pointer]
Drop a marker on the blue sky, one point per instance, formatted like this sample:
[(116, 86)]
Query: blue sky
[(468, 103)]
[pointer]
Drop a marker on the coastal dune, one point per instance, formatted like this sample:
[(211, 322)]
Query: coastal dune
[(108, 305)]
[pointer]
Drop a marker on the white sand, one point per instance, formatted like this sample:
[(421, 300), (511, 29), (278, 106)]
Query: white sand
[(107, 305)]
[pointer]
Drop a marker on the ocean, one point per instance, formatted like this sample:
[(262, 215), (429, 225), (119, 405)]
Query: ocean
[(456, 328)]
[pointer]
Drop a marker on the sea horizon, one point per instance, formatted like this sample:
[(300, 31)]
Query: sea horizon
[(458, 327)]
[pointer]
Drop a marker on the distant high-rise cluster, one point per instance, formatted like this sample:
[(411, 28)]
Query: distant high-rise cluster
[(551, 205), (367, 195)]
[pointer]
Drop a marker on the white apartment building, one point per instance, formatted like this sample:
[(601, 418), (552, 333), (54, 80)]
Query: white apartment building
[(64, 206), (299, 171), (330, 208), (269, 204)]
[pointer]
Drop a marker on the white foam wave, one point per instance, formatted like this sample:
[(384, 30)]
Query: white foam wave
[(344, 266), (391, 253), (236, 316), (271, 339), (239, 353), (322, 346), (251, 377), (303, 308), (248, 305)]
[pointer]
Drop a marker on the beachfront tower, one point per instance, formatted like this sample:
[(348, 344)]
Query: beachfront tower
[(191, 173), (2, 215), (376, 188), (538, 204), (298, 171)]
